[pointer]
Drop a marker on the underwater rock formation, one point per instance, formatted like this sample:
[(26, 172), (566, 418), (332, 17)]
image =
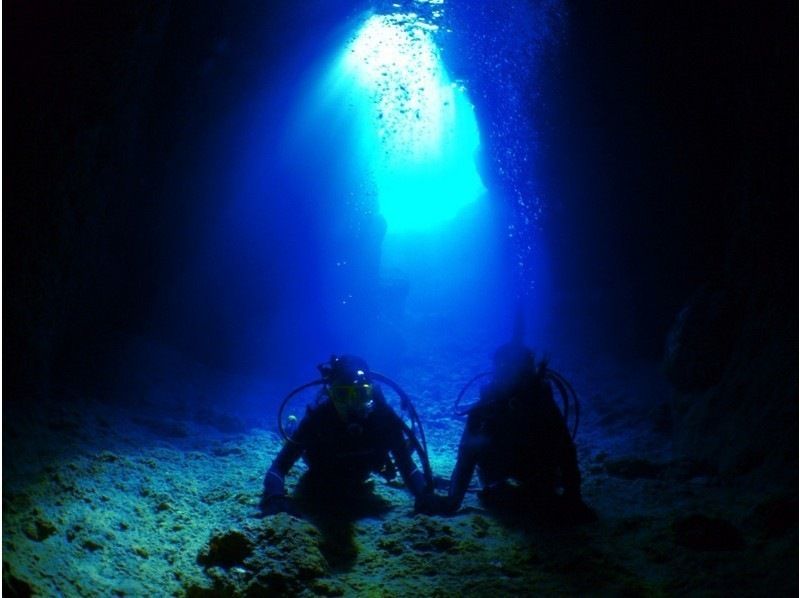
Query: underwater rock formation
[(106, 507), (700, 342), (732, 359), (279, 557)]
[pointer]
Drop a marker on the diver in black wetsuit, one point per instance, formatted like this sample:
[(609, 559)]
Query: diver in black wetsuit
[(351, 433), (516, 432)]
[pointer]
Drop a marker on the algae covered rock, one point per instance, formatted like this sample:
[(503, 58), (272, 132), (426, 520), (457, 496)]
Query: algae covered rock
[(15, 586), (278, 556), (39, 528), (226, 550), (422, 533), (287, 555)]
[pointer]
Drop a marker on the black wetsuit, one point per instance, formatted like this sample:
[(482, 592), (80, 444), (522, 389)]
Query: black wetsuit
[(517, 432), (346, 453)]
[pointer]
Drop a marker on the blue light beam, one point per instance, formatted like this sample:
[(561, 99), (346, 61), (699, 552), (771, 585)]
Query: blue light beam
[(417, 132)]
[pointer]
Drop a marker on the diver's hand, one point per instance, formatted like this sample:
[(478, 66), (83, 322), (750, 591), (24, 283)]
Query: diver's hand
[(273, 498), (273, 483), (576, 512), (434, 504), (272, 504)]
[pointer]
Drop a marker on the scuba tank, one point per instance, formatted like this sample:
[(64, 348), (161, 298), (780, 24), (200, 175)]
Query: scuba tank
[(570, 406), (569, 398)]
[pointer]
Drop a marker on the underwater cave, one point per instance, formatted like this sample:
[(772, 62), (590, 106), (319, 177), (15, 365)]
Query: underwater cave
[(204, 202)]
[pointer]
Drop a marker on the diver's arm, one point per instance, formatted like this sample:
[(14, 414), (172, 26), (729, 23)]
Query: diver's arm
[(291, 451), (576, 510), (571, 475), (564, 446), (287, 457), (465, 466), (274, 478), (413, 478)]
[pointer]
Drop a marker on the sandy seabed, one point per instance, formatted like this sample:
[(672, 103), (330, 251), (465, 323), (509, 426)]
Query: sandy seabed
[(104, 500)]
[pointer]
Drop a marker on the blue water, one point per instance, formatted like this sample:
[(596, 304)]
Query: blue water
[(381, 174)]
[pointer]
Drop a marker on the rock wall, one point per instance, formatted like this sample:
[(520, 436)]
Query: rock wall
[(78, 182), (108, 112), (733, 349)]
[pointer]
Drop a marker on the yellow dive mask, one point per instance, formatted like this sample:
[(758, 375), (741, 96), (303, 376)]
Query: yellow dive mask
[(352, 401)]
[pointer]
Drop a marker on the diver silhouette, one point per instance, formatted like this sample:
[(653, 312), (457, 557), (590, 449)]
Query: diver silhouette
[(517, 439), (348, 434)]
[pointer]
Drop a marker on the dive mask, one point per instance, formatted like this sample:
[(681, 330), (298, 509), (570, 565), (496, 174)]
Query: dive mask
[(352, 401)]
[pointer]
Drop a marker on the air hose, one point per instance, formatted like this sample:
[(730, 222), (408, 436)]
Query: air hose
[(285, 402), (420, 444)]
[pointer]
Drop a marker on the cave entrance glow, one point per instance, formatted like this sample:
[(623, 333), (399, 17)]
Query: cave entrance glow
[(387, 145), (417, 129)]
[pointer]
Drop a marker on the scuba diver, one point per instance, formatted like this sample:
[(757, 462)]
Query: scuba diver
[(516, 432), (349, 433)]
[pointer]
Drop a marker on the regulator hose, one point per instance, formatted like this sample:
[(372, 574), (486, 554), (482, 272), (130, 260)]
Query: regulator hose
[(420, 446), (285, 402), (567, 393), (465, 388)]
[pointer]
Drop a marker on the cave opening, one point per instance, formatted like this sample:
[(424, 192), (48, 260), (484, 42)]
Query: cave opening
[(203, 203)]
